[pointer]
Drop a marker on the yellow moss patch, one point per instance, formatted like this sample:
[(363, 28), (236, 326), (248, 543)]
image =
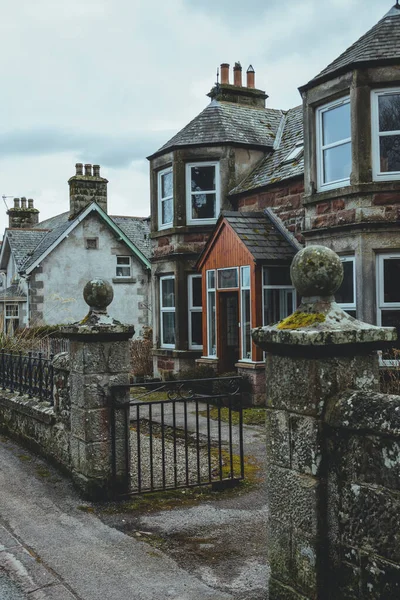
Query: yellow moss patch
[(299, 319)]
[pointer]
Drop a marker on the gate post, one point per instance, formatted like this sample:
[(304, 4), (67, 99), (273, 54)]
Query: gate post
[(99, 360), (312, 355)]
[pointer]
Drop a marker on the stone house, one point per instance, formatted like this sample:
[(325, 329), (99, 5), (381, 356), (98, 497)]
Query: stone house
[(326, 172), (46, 264)]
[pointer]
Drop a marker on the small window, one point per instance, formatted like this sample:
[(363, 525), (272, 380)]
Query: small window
[(92, 243), (202, 189), (211, 315), (167, 311), (333, 145), (195, 313), (346, 294), (227, 278), (295, 153), (12, 318), (385, 114), (123, 266), (245, 319), (279, 295), (165, 199)]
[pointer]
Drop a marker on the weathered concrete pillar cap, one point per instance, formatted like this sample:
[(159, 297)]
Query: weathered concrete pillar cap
[(316, 271), (98, 293)]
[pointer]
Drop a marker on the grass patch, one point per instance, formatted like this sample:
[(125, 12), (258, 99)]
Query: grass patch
[(251, 416), (43, 472), (141, 395), (24, 457)]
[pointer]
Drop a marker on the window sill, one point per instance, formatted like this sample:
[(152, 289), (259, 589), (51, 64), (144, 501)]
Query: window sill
[(352, 190), (124, 280)]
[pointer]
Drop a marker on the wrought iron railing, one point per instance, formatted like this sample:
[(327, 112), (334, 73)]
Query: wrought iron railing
[(29, 374)]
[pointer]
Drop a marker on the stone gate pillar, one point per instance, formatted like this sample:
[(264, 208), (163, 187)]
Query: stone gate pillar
[(99, 360), (312, 355)]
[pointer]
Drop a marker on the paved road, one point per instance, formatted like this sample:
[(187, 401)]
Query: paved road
[(9, 590), (55, 551)]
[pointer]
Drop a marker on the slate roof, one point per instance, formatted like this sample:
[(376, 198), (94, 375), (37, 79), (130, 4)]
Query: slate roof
[(262, 236), (381, 43), (13, 291), (274, 168), (227, 122), (28, 245)]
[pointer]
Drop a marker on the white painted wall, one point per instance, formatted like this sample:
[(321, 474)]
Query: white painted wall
[(67, 269)]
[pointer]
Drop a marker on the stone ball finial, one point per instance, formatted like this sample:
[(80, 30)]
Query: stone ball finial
[(98, 294), (316, 271)]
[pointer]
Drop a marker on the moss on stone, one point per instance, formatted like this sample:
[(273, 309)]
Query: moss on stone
[(300, 319)]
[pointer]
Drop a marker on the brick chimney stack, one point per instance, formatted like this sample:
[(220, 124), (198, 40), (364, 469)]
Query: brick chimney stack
[(246, 95), (22, 216), (86, 188)]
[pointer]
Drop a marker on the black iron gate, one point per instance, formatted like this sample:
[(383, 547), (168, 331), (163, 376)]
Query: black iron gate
[(183, 434)]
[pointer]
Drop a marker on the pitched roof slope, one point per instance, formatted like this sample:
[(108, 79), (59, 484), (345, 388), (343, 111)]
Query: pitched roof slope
[(380, 43), (137, 229), (261, 236), (274, 167), (228, 122), (23, 242)]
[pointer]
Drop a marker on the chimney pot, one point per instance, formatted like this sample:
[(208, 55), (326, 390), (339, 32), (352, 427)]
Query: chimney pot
[(30, 202), (237, 74), (23, 202), (96, 170), (79, 169), (88, 170), (16, 202), (224, 73), (251, 83)]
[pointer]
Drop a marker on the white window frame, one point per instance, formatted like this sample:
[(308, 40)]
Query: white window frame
[(295, 153), (129, 266), (244, 288), (353, 305), (212, 290), (166, 309), (381, 305), (189, 193), (193, 309), (162, 225), (330, 185), (292, 289), (9, 318), (234, 287), (377, 174)]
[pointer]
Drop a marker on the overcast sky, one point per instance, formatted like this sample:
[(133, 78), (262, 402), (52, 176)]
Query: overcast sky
[(109, 81)]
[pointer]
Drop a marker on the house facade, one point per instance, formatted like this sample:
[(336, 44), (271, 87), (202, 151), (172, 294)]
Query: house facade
[(46, 264), (326, 172)]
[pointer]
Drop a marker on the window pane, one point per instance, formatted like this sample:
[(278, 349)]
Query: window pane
[(211, 279), (167, 216), (389, 147), (276, 276), (211, 317), (123, 272), (389, 112), (246, 326), (168, 328), (196, 318), (227, 278), (123, 260), (337, 163), (278, 304), (12, 310), (203, 179), (168, 293), (345, 294), (391, 280), (391, 318), (203, 206), (336, 124), (245, 271), (166, 184), (196, 291), (352, 313)]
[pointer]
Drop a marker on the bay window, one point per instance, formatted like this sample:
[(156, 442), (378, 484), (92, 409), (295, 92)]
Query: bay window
[(385, 122), (202, 192), (333, 144), (167, 311), (165, 199), (195, 312), (279, 295)]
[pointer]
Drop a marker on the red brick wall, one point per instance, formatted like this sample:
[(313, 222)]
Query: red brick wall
[(285, 199)]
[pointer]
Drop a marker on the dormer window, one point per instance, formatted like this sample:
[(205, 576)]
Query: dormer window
[(333, 145), (165, 199), (202, 193), (385, 113)]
